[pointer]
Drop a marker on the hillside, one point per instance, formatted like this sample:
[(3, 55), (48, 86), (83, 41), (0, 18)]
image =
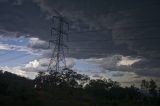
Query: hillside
[(19, 91)]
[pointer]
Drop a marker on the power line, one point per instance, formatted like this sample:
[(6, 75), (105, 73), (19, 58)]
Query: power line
[(15, 58), (110, 49), (106, 29), (6, 53), (134, 39), (97, 54), (97, 30)]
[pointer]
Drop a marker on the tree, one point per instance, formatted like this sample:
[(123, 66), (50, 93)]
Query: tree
[(152, 88), (66, 78), (144, 85), (73, 79), (159, 91), (40, 79), (1, 71), (102, 84)]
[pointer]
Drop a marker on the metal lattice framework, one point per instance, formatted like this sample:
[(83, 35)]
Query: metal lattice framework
[(59, 29)]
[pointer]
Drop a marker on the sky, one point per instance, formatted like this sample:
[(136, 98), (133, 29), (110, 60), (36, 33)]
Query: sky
[(117, 39)]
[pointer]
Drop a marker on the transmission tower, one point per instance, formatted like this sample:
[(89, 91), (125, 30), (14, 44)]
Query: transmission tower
[(59, 31)]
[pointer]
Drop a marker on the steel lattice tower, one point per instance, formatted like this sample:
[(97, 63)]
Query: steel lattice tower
[(59, 29)]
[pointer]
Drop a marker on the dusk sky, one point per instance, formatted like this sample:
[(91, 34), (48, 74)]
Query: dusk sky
[(117, 39)]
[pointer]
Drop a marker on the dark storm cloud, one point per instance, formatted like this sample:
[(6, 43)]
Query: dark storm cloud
[(118, 74), (122, 24), (25, 18), (107, 27), (147, 67), (3, 1)]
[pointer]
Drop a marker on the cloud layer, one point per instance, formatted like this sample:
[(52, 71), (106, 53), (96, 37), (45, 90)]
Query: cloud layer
[(118, 35)]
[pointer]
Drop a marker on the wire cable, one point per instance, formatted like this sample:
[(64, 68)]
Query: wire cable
[(15, 58), (6, 53)]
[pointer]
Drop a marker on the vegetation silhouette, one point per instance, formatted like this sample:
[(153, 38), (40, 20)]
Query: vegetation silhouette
[(69, 88)]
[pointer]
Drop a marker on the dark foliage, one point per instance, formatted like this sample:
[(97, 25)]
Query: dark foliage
[(69, 88)]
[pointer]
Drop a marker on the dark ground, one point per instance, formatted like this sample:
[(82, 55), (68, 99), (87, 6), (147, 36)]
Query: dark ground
[(19, 91)]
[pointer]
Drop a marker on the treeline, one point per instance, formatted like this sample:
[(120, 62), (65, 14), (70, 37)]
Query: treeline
[(68, 88)]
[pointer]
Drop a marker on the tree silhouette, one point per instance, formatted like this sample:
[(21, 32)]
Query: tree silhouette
[(102, 84), (69, 88), (144, 85), (152, 88), (66, 78), (40, 80)]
